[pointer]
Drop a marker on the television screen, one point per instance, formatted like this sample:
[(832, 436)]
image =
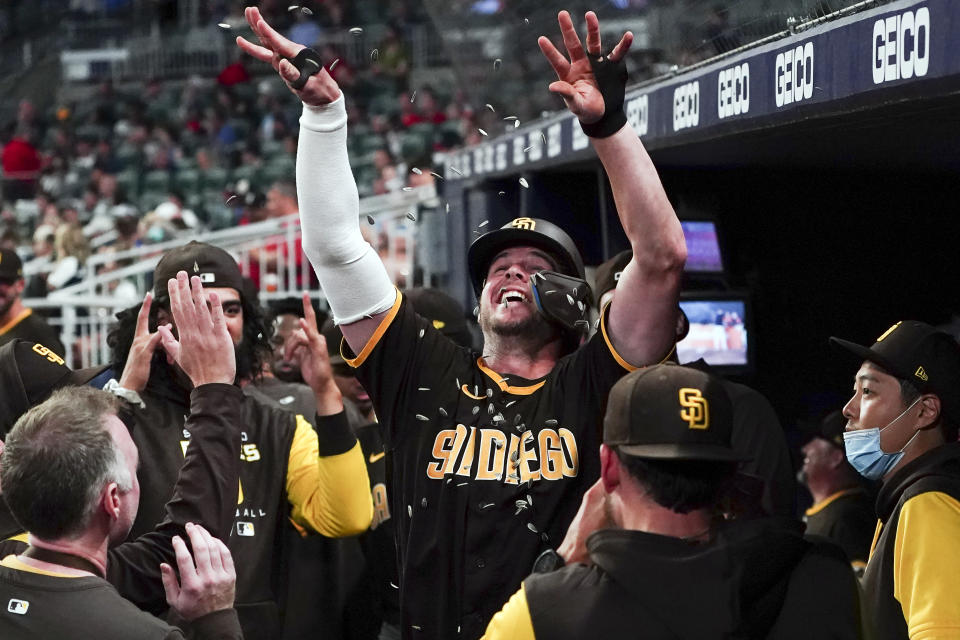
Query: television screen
[(703, 249), (718, 332)]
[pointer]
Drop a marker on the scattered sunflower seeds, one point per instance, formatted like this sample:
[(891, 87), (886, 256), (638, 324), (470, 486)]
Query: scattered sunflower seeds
[(409, 511), (497, 64), (498, 444), (580, 305), (490, 106), (528, 148), (544, 537), (476, 310), (550, 423), (510, 118), (498, 418), (371, 221), (455, 170), (491, 409), (462, 484), (487, 506), (413, 626), (422, 331), (334, 64), (293, 7), (407, 189), (482, 132), (543, 137), (502, 193), (510, 403), (532, 527), (475, 410), (423, 503), (422, 418), (375, 55), (423, 389), (571, 300), (411, 216), (516, 124), (416, 171), (485, 222), (443, 412), (223, 25), (436, 175), (306, 11), (447, 206), (529, 500), (413, 96), (514, 457), (231, 199), (394, 586), (526, 20), (489, 393), (476, 390), (356, 30), (524, 183)]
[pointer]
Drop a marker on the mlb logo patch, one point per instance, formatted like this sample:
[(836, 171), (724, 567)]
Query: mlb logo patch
[(18, 607), (245, 529)]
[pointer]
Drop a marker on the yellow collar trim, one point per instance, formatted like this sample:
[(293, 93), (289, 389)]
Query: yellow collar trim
[(13, 562), (506, 388), (820, 506), (10, 325)]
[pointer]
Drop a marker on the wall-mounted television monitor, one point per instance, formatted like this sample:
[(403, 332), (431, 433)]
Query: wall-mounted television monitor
[(720, 330), (703, 247)]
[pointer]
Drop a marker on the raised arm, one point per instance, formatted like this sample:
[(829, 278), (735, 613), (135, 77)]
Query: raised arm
[(206, 489), (642, 317), (350, 271)]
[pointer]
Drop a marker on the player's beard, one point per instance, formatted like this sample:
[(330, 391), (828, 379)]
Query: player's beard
[(533, 328)]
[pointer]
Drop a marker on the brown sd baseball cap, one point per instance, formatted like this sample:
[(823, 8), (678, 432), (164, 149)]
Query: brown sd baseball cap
[(608, 273), (443, 312), (670, 412), (11, 268), (216, 267), (915, 351)]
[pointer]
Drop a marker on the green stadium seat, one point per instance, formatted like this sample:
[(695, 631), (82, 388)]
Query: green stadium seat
[(157, 180)]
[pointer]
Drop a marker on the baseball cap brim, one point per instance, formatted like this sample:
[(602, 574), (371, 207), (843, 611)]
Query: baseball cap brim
[(866, 353), (706, 452)]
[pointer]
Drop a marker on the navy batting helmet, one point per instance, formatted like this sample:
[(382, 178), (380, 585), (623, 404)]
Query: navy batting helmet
[(534, 232)]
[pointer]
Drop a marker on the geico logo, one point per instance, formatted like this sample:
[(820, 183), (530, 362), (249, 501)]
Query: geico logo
[(686, 106), (733, 91), (638, 114), (794, 75), (491, 454), (901, 46)]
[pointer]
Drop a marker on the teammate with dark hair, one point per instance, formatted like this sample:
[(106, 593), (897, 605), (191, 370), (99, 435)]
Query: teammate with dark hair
[(490, 453)]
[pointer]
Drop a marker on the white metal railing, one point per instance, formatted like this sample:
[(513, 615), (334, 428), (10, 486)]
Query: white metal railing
[(87, 309)]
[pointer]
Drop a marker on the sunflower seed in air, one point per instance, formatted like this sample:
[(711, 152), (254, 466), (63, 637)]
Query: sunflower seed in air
[(455, 170), (544, 537), (394, 586), (529, 499), (407, 189), (518, 419), (422, 331), (223, 25), (571, 300), (524, 183), (447, 207), (498, 444), (231, 199), (415, 627), (423, 503), (356, 30), (409, 510), (293, 7), (371, 221), (521, 504), (476, 390), (413, 96), (476, 310), (482, 132), (485, 222), (462, 484), (497, 418), (443, 412), (510, 118), (516, 124), (528, 148), (306, 11), (436, 175), (491, 409), (423, 388), (375, 55), (509, 403), (417, 171), (490, 106), (475, 410), (422, 418), (550, 423), (412, 217), (487, 506), (334, 64), (532, 527), (489, 393), (514, 457), (497, 64), (526, 20), (501, 193)]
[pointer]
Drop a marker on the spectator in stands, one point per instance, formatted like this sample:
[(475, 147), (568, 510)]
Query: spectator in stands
[(342, 71), (21, 165), (71, 250), (16, 320), (234, 73), (842, 509), (902, 429), (305, 30), (393, 58)]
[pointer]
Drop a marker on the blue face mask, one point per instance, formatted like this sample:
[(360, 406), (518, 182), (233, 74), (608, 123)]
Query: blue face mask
[(864, 453)]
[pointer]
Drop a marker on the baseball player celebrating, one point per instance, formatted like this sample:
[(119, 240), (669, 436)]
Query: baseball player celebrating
[(490, 453)]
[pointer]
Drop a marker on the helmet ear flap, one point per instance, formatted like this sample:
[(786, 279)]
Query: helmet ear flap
[(563, 299)]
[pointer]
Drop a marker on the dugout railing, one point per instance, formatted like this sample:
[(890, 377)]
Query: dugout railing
[(268, 252)]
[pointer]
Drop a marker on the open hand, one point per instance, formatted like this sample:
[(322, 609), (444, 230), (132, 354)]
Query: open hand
[(205, 349), (576, 83), (136, 372), (207, 580), (320, 88)]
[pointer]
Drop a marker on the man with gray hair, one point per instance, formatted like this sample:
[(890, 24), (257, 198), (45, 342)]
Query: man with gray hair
[(78, 435)]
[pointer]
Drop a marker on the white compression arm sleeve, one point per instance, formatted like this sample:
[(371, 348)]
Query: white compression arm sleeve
[(350, 272)]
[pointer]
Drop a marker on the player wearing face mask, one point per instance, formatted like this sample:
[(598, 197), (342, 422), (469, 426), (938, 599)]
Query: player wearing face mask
[(902, 429)]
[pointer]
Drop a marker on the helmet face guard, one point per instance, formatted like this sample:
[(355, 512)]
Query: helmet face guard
[(563, 300)]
